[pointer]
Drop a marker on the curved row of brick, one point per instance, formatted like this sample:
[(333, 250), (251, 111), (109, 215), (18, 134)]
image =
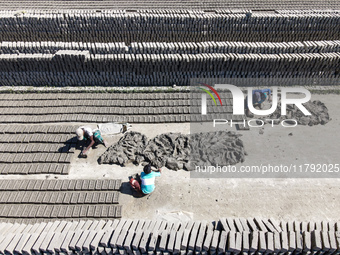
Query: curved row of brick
[(50, 47), (170, 27), (125, 236), (45, 199), (36, 149)]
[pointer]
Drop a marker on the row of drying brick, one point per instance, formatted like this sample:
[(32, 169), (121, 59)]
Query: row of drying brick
[(171, 48), (37, 138), (60, 211), (140, 110), (52, 197), (173, 6), (153, 27), (89, 98), (165, 78), (36, 129), (90, 118), (95, 103), (98, 103), (36, 148), (8, 158), (272, 225), (34, 168), (60, 185), (171, 65), (84, 109), (161, 237)]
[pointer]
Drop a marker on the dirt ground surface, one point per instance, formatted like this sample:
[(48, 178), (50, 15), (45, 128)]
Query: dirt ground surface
[(178, 196)]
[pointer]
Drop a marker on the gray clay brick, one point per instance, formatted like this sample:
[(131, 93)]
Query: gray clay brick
[(72, 185), (79, 184), (254, 240), (74, 198), (88, 199), (48, 211), (105, 211), (60, 198), (67, 197), (102, 197), (76, 211), (81, 198), (91, 211), (69, 212), (277, 242), (99, 184), (83, 211), (41, 210), (95, 198), (86, 184), (97, 211), (92, 184), (111, 184), (65, 184), (316, 240), (222, 242)]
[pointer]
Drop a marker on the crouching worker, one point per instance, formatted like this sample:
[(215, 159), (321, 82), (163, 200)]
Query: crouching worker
[(259, 96), (91, 137), (146, 185)]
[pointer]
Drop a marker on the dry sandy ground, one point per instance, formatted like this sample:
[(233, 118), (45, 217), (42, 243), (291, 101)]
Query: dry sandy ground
[(179, 196)]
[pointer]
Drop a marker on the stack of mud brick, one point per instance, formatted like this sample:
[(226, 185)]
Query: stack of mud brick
[(32, 149), (178, 5), (31, 200), (171, 26), (125, 236), (79, 68), (162, 48)]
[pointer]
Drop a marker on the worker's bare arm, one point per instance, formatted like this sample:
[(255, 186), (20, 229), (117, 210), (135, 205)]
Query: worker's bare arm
[(90, 145), (156, 169)]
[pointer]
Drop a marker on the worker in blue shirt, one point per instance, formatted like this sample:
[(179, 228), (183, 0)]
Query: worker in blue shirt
[(146, 185), (259, 96)]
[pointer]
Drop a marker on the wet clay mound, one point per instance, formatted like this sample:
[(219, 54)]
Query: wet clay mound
[(171, 150), (177, 151), (318, 110), (128, 149), (216, 149)]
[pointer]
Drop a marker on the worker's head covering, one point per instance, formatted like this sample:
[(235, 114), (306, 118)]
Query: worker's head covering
[(80, 134)]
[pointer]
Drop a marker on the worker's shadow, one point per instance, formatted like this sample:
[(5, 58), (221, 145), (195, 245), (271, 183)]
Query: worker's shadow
[(126, 189), (69, 146)]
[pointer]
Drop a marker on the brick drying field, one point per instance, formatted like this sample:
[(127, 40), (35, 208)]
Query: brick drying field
[(53, 202)]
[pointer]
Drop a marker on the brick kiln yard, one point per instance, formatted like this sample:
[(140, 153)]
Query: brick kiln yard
[(52, 202), (177, 196)]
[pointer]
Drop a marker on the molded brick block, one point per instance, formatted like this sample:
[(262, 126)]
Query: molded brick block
[(84, 211)]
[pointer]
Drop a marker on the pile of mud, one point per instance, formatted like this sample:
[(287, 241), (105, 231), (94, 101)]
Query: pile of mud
[(128, 149), (171, 150), (177, 151), (318, 110)]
